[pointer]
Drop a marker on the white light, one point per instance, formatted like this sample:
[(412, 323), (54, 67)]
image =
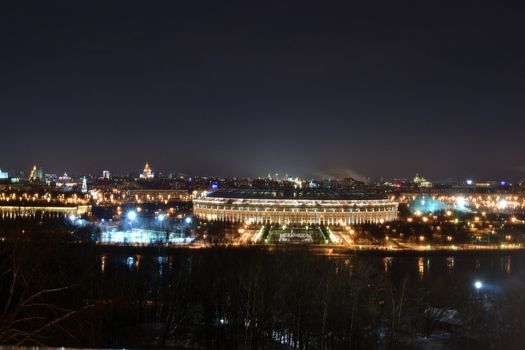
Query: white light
[(72, 217), (478, 285), (188, 220), (502, 204), (132, 215), (470, 182), (161, 217), (461, 202)]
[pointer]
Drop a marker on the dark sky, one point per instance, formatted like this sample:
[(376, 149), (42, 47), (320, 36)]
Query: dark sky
[(381, 88)]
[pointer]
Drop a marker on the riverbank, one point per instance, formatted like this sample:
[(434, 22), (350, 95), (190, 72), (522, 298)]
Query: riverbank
[(312, 249)]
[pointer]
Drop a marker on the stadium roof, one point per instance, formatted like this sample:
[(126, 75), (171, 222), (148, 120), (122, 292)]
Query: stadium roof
[(290, 193)]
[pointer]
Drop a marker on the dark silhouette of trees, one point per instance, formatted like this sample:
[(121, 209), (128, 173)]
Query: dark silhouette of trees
[(32, 312), (83, 295)]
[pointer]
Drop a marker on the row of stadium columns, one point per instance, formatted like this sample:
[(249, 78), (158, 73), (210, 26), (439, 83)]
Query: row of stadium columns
[(299, 218)]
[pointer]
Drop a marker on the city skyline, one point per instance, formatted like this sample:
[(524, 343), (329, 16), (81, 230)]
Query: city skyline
[(153, 173)]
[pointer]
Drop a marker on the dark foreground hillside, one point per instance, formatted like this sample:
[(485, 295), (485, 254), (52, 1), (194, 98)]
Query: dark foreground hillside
[(58, 293)]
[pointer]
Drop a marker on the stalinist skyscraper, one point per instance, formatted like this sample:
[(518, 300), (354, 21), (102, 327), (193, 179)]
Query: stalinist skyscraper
[(147, 173)]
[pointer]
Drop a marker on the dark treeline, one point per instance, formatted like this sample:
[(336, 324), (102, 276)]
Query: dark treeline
[(57, 293)]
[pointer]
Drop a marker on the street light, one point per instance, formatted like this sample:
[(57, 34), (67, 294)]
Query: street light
[(161, 218), (188, 220), (478, 285), (132, 215)]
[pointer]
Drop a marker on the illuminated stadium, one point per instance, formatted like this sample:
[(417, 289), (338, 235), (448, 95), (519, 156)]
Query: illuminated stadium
[(295, 206)]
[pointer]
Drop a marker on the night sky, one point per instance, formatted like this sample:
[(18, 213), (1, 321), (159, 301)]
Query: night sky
[(379, 88)]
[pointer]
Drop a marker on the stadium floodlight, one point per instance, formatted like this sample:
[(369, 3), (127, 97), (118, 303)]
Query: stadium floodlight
[(502, 204), (461, 202), (132, 215)]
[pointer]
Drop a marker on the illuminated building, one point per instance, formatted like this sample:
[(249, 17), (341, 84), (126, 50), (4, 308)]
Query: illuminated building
[(66, 182), (155, 195), (295, 206), (3, 175), (147, 173), (422, 182), (38, 211), (32, 174), (36, 174), (466, 202), (106, 175), (84, 185)]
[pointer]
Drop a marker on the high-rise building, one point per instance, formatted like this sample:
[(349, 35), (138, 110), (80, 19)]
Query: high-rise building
[(3, 175), (147, 173), (36, 174), (106, 174), (84, 185)]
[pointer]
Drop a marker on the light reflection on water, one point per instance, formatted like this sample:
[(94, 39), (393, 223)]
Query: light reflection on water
[(451, 267), (133, 262), (421, 267), (161, 260), (103, 259), (451, 261), (387, 263), (506, 261), (130, 262)]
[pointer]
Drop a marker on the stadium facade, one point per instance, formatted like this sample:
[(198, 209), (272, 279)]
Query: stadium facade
[(295, 206)]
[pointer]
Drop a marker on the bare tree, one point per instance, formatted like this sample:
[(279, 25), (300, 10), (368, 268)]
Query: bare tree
[(28, 314)]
